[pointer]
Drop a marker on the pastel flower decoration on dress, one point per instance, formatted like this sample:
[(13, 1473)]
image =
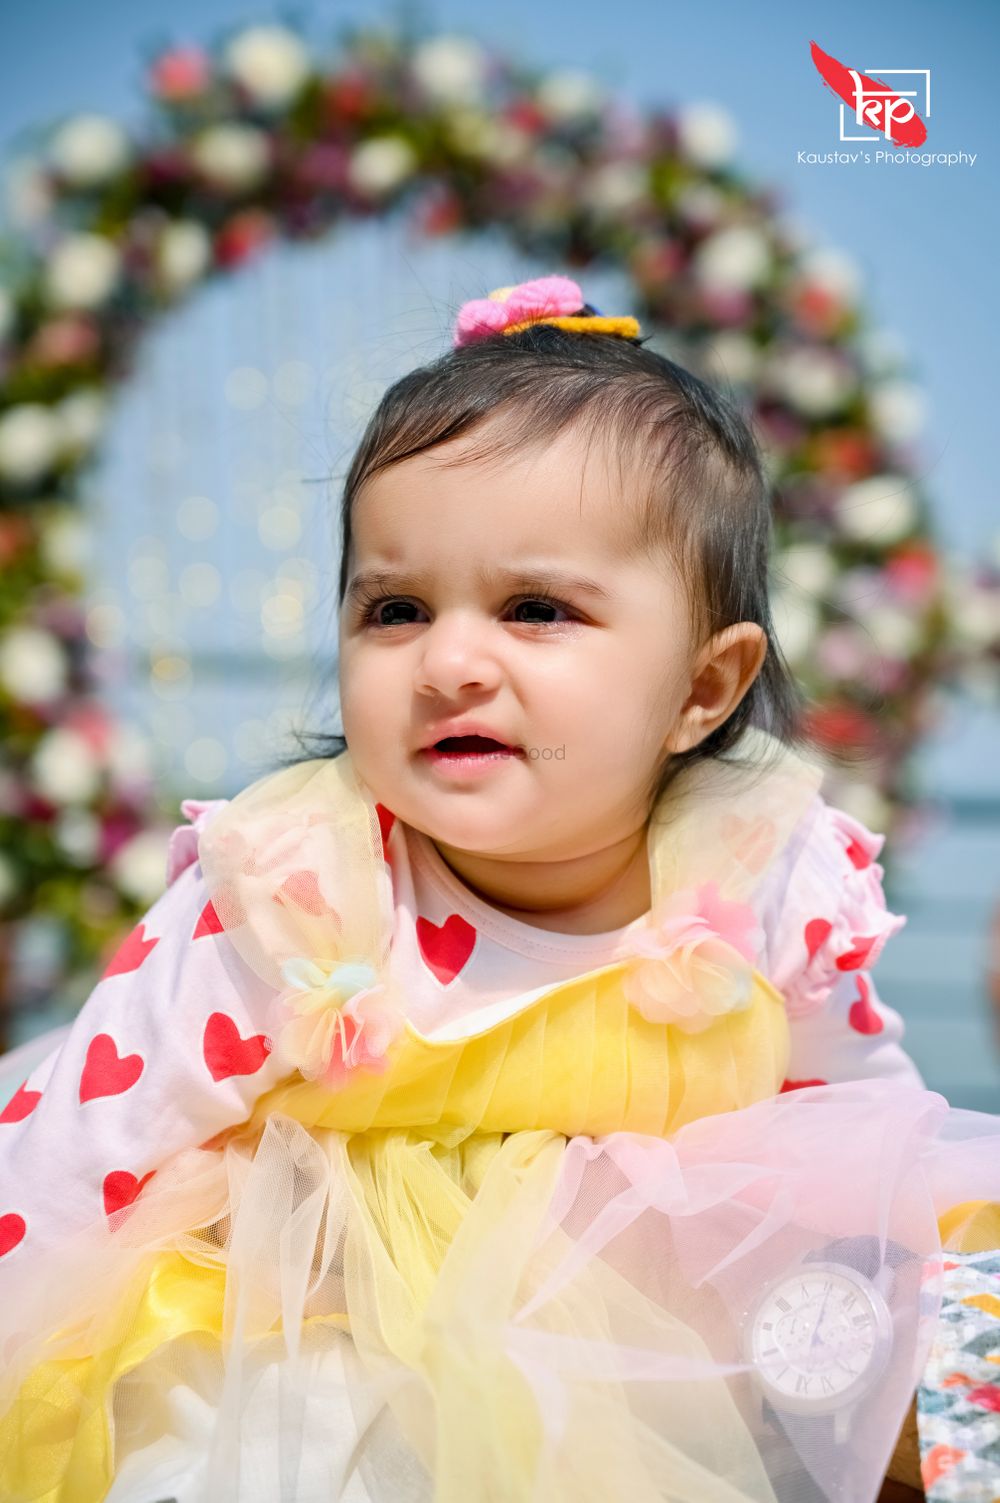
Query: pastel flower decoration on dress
[(334, 1018), (544, 300), (693, 962)]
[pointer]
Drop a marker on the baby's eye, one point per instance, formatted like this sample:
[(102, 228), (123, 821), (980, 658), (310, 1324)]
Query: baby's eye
[(546, 602), (372, 614)]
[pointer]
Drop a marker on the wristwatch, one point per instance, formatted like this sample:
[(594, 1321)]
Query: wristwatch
[(818, 1339)]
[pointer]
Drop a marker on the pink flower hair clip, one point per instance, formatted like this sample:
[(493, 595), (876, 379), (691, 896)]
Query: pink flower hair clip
[(545, 300)]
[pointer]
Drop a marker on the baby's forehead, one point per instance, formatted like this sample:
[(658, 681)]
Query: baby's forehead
[(577, 477)]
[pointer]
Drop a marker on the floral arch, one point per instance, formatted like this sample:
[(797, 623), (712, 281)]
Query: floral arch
[(259, 139)]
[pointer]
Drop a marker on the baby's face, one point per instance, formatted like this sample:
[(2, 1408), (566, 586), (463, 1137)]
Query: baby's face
[(589, 687)]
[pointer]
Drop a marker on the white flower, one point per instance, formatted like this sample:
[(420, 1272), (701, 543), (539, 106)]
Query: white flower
[(879, 510), (897, 410), (480, 135), (701, 204), (6, 313), (82, 417), (138, 865), (616, 186), (79, 835), (127, 755), (82, 272), (894, 633), (450, 69), (183, 254), (29, 441), (882, 351), (706, 134), (570, 94), (88, 150), (974, 611), (796, 624), (270, 62), (66, 543), (733, 259), (732, 357), (833, 272), (379, 165), (808, 567), (234, 156), (814, 381), (64, 769), (33, 665)]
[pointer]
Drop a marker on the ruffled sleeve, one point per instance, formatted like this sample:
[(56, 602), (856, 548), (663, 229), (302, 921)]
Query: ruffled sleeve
[(182, 848), (828, 926)]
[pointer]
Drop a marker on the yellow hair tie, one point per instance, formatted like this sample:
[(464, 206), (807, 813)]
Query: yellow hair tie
[(583, 323)]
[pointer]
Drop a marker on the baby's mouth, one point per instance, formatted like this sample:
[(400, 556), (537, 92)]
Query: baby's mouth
[(452, 747)]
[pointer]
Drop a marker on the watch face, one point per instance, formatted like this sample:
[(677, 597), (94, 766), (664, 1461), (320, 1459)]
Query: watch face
[(818, 1337)]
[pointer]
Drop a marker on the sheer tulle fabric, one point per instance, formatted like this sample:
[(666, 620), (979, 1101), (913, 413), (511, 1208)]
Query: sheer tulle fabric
[(464, 1278), (528, 1316)]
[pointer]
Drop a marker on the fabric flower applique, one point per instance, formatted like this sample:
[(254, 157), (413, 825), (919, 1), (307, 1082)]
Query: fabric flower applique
[(694, 960), (334, 1018), (508, 306)]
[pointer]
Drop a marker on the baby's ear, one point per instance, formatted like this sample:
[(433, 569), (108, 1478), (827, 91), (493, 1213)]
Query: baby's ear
[(725, 667)]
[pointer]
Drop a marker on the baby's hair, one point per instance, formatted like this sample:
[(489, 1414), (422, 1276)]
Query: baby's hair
[(702, 497)]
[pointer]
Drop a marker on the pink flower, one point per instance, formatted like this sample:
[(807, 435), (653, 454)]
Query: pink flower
[(333, 1019), (695, 959), (545, 297), (180, 74)]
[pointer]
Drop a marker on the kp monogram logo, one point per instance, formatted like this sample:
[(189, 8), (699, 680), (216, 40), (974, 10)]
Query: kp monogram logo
[(875, 103), (879, 108)]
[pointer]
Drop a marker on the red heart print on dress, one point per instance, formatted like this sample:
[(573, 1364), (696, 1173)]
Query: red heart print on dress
[(105, 1071), (446, 947), (854, 959), (208, 923), (799, 1085), (12, 1230), (862, 1017), (227, 1054), (817, 931), (858, 856), (20, 1105), (301, 890), (132, 953), (121, 1188)]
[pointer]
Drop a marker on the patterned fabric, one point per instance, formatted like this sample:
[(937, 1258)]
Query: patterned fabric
[(958, 1400)]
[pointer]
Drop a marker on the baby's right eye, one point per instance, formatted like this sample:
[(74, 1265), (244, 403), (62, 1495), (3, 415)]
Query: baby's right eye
[(368, 610)]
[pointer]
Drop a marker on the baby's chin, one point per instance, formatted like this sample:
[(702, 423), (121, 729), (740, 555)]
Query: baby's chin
[(481, 821)]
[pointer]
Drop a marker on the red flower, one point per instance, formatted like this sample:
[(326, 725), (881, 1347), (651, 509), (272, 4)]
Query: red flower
[(180, 74), (243, 235), (841, 724)]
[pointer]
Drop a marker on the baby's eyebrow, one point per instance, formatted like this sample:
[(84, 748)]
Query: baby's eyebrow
[(524, 578)]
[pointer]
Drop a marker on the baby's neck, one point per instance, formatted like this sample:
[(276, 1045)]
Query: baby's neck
[(589, 895)]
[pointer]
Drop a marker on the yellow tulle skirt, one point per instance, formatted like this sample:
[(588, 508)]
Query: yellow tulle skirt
[(301, 1313)]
